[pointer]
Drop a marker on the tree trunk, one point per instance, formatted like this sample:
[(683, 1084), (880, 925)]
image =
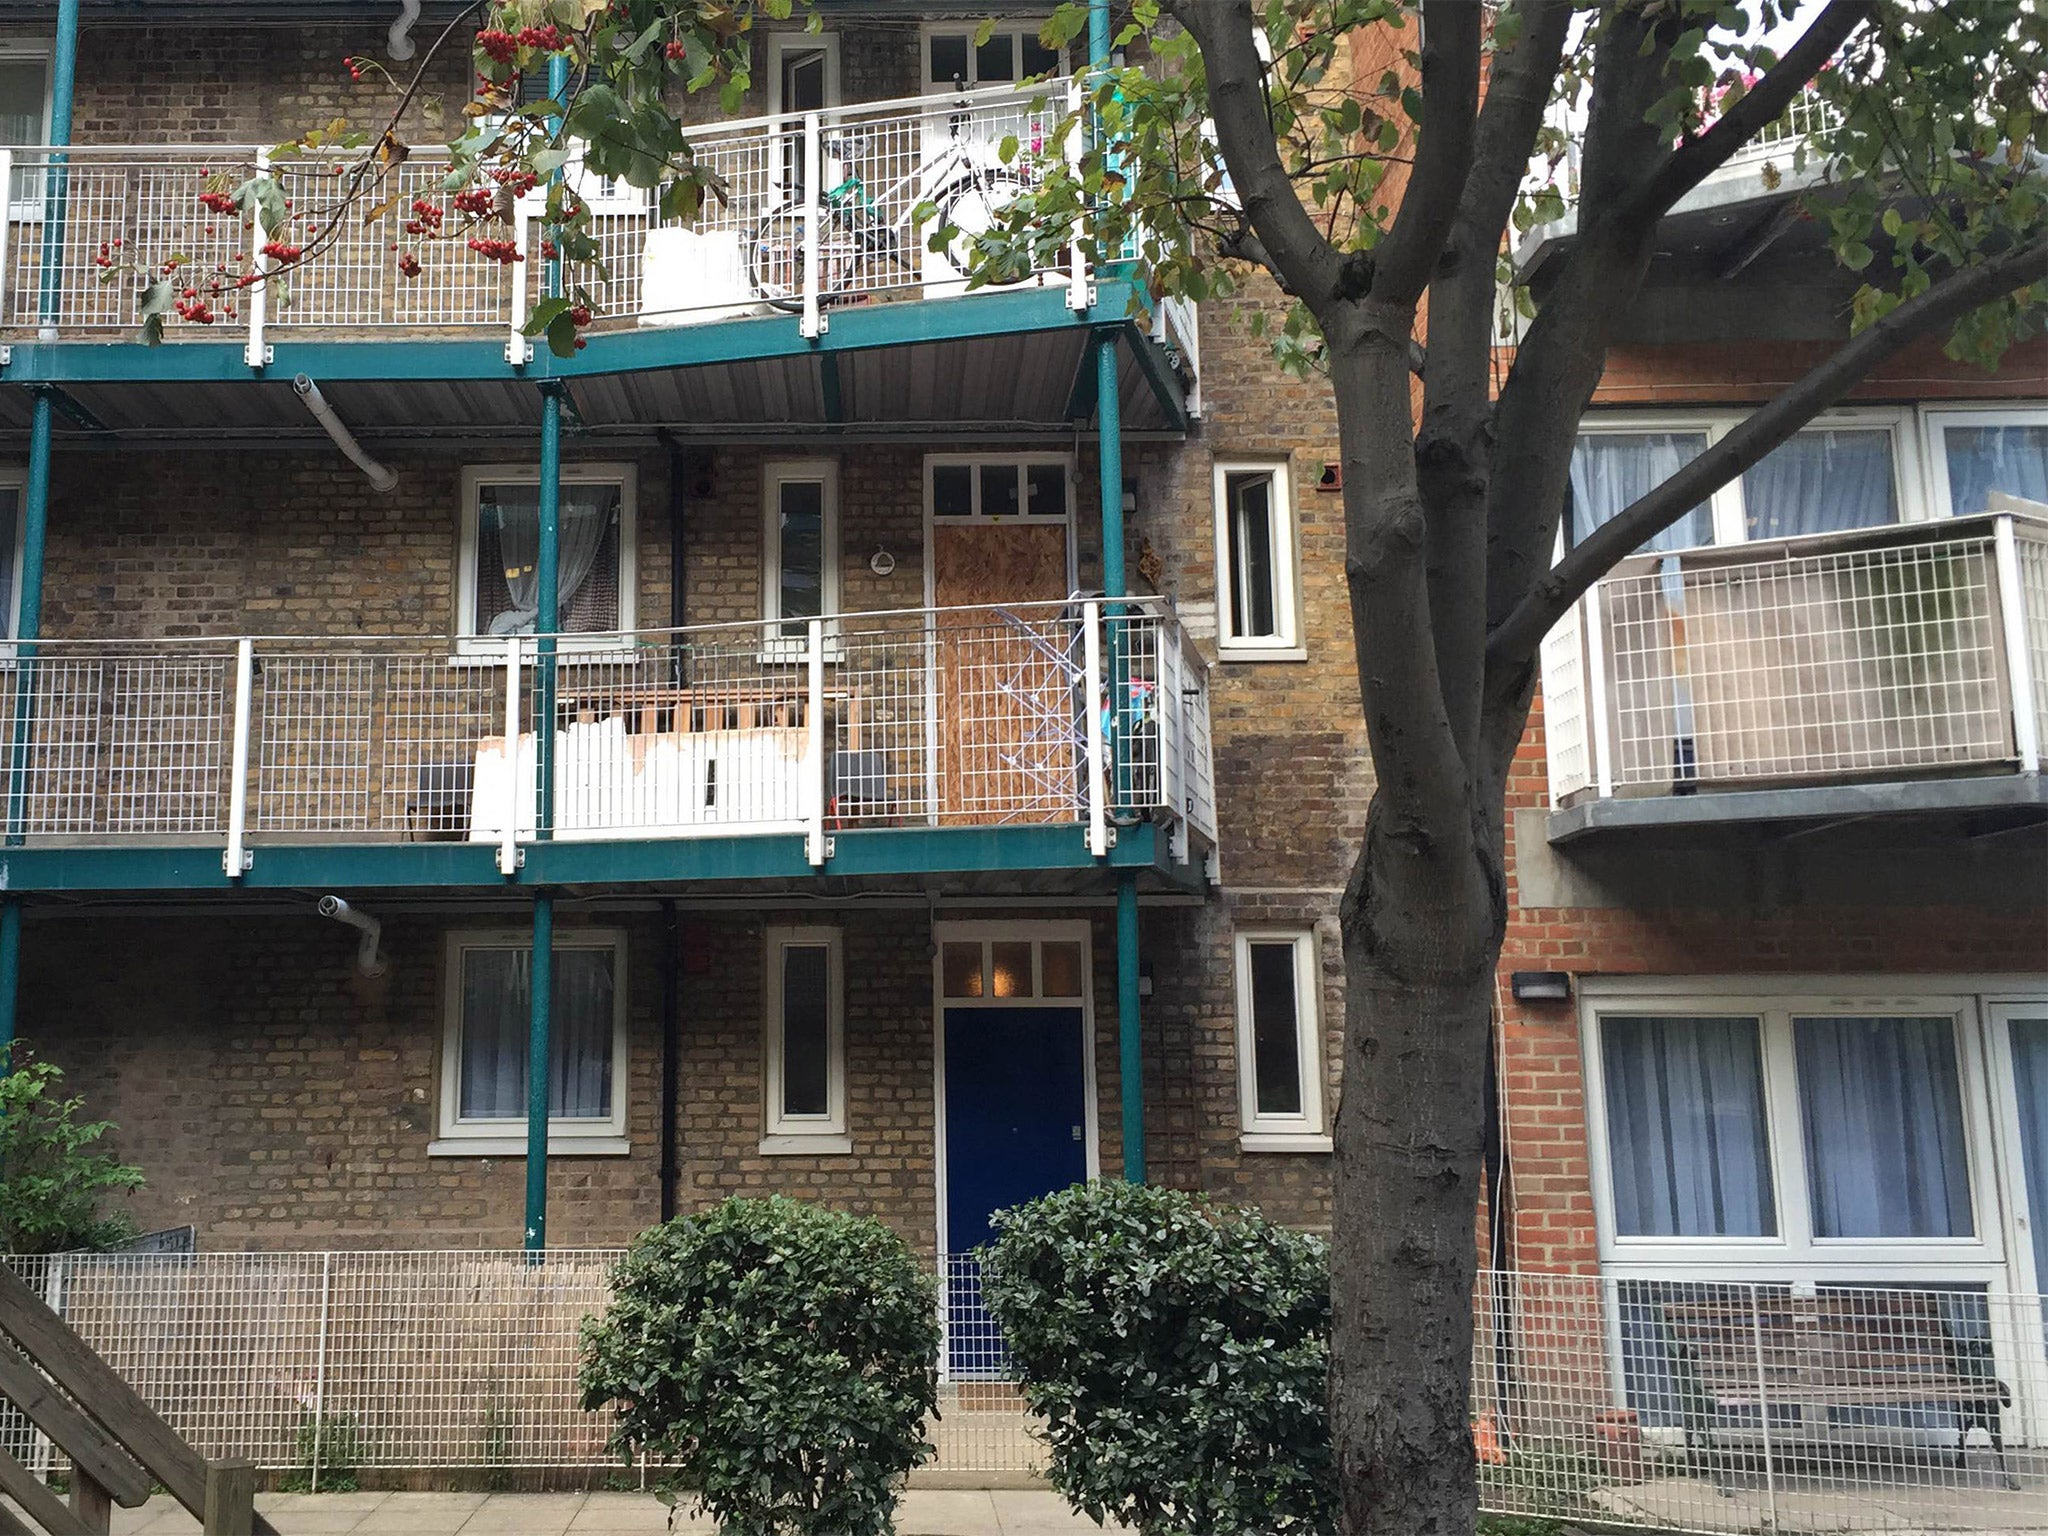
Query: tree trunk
[(1422, 934)]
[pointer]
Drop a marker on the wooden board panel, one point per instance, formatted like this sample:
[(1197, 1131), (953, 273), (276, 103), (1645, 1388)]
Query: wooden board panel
[(1006, 697)]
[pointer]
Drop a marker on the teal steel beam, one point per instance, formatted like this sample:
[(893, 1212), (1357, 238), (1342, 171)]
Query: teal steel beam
[(1159, 374), (540, 990), (861, 328), (1129, 1058), (57, 188)]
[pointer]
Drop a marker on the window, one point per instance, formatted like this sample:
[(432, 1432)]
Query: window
[(1258, 603), (955, 60), (962, 488), (803, 76), (800, 544), (1685, 1126), (805, 1045), (484, 1053), (1280, 1043), (1015, 969), (10, 553), (1851, 469), (1982, 456), (499, 579), (25, 120), (1793, 1132)]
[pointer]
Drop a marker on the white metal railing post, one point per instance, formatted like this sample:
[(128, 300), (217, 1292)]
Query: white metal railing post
[(6, 224), (1763, 1410), (236, 860), (254, 310), (814, 728), (508, 841), (2019, 662), (1596, 696), (320, 1367), (1093, 696), (1077, 255), (518, 350), (813, 318)]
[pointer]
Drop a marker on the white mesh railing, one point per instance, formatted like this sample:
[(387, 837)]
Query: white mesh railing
[(803, 212), (1894, 652), (935, 717), (1683, 1402)]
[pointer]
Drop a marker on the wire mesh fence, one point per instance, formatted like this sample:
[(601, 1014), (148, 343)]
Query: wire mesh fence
[(88, 225), (937, 717), (1889, 652)]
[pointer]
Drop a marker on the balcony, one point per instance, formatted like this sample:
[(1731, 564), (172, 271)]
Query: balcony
[(1888, 671), (810, 214), (672, 753)]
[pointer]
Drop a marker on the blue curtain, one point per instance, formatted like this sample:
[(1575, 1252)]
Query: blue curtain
[(1822, 481), (1883, 1118), (1611, 470), (1686, 1138), (1986, 459)]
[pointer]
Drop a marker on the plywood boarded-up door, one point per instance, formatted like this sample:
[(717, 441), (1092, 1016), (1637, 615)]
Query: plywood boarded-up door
[(1008, 661)]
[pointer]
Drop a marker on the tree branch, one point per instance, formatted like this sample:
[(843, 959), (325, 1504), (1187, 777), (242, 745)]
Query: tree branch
[(1295, 249), (1699, 157), (1514, 639), (1404, 260)]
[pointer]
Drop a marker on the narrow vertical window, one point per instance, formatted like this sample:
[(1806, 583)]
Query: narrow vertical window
[(1257, 602), (1280, 1056), (805, 1041), (800, 579)]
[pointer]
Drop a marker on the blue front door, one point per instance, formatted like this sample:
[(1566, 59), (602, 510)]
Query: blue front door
[(1016, 1102)]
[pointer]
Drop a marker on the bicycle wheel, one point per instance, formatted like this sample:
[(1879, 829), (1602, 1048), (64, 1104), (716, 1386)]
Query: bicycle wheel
[(974, 205), (778, 257)]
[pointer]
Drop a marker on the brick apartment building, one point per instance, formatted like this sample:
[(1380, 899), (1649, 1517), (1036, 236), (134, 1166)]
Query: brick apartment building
[(885, 864)]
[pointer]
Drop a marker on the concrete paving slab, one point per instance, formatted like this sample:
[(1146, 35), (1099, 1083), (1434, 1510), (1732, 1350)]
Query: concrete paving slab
[(946, 1512)]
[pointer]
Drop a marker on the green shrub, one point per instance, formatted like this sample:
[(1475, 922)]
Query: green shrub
[(330, 1448), (1178, 1352), (781, 1359), (52, 1178)]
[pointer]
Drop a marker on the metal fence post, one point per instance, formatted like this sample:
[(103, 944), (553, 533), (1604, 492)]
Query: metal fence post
[(320, 1367), (255, 353), (814, 729), (2019, 667), (518, 350), (1078, 297), (1596, 696), (813, 319), (236, 860), (1763, 1411), (6, 223), (1092, 691), (508, 840)]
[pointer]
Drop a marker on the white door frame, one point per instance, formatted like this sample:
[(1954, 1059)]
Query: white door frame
[(2021, 1210)]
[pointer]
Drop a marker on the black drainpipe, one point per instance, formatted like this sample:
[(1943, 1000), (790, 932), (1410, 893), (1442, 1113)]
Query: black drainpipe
[(671, 1055)]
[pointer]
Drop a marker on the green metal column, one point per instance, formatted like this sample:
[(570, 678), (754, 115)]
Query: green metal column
[(547, 602), (1130, 1058), (10, 966), (540, 980), (63, 75)]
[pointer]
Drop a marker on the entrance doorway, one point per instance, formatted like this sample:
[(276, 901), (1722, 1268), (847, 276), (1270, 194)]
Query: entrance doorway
[(1016, 1107)]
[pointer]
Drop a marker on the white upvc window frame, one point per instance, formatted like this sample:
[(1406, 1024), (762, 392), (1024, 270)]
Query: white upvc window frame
[(783, 1133), (30, 209), (774, 475), (15, 479), (1308, 1131), (1794, 1253), (1287, 644), (567, 1137), (1028, 27), (1909, 469), (785, 121), (1020, 462), (1936, 419), (491, 648)]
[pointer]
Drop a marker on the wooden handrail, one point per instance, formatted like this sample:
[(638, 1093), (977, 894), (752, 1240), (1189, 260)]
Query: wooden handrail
[(109, 1432)]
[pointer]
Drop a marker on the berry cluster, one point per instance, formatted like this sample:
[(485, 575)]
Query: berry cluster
[(409, 264), (217, 202), (675, 53), (426, 218), (191, 307), (355, 67), (480, 202), (104, 260), (515, 180), (501, 47), (504, 252), (283, 250), (498, 44)]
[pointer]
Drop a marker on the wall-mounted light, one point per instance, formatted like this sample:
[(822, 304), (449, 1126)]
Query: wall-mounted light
[(1144, 978), (1541, 986)]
